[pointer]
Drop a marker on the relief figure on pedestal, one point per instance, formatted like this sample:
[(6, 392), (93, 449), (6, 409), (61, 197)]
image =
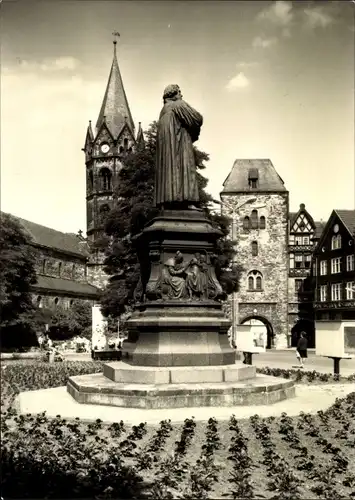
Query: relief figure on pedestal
[(173, 283), (196, 280), (178, 128)]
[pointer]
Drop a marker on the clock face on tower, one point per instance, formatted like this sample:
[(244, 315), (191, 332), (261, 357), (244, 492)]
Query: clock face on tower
[(104, 147)]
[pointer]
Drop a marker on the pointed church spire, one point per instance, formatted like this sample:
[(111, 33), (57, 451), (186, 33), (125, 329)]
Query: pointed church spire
[(115, 105), (140, 139)]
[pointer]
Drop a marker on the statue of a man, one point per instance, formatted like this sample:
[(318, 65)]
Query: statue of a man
[(178, 128)]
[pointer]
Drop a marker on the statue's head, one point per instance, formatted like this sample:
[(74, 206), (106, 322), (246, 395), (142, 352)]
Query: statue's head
[(179, 257), (172, 92)]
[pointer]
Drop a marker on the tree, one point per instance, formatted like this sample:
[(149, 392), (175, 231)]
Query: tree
[(17, 275), (132, 210), (68, 323)]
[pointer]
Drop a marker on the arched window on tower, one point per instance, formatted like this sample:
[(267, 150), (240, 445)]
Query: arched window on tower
[(254, 219), (255, 281), (125, 144), (104, 210), (105, 178), (254, 248), (91, 181), (262, 222), (246, 223)]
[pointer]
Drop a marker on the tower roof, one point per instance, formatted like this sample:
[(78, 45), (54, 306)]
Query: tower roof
[(260, 170), (140, 138), (115, 105)]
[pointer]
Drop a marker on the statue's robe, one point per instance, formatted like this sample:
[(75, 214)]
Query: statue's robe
[(175, 178)]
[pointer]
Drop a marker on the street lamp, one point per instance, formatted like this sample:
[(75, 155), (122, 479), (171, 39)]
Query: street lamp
[(233, 210)]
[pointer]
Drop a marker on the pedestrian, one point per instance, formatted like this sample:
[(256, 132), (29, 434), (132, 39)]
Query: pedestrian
[(301, 350)]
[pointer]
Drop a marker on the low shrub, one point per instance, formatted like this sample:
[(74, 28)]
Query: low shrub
[(19, 377), (304, 375)]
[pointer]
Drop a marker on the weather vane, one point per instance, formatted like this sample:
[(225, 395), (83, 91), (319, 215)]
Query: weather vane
[(116, 35)]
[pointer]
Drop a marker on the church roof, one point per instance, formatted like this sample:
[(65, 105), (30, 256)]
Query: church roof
[(115, 106), (51, 238), (262, 170), (65, 286)]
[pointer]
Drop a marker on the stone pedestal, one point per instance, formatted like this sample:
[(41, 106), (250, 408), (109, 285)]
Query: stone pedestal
[(171, 330), (178, 352)]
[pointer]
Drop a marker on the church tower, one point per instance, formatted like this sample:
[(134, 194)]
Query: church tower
[(106, 147)]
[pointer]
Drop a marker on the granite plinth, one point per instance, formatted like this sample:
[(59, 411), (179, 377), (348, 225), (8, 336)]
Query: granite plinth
[(166, 347), (99, 390), (126, 373)]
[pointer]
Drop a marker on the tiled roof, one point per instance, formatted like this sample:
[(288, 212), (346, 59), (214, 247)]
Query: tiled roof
[(268, 179), (292, 216), (320, 225), (65, 286), (348, 218), (51, 238), (115, 104)]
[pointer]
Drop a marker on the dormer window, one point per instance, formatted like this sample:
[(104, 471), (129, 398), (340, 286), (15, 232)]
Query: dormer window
[(253, 178)]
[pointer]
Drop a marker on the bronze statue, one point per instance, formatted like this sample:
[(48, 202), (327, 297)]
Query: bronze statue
[(178, 128)]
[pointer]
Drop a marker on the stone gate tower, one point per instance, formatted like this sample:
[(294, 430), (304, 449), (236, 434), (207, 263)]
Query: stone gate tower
[(105, 150), (255, 197)]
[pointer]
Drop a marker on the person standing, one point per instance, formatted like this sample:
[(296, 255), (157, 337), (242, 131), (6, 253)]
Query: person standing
[(301, 351)]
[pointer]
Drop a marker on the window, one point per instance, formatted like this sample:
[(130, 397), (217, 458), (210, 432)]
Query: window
[(298, 261), (314, 269), (56, 300), (253, 178), (323, 267), (74, 272), (125, 144), (254, 248), (105, 179), (59, 269), (336, 291), (71, 302), (91, 180), (246, 223), (39, 301), (291, 240), (336, 265), (323, 293), (336, 242), (292, 260), (254, 219), (307, 261), (255, 281), (350, 290), (104, 209), (305, 240), (298, 285), (298, 240), (262, 222), (350, 262)]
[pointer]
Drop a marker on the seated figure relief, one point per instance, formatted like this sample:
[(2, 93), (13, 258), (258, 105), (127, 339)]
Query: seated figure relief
[(194, 280)]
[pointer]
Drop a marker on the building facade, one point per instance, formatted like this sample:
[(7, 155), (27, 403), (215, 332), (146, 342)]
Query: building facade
[(255, 197), (333, 268), (106, 148), (304, 234), (61, 267)]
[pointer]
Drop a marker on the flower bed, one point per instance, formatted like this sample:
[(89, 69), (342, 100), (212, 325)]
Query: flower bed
[(308, 456), (305, 376)]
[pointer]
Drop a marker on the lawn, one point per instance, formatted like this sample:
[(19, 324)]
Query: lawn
[(308, 456)]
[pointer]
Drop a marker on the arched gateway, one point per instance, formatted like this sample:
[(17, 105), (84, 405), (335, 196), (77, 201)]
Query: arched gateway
[(257, 322)]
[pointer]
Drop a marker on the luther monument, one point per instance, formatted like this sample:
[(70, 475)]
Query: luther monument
[(178, 353)]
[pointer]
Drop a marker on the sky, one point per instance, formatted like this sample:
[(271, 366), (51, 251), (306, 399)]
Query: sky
[(272, 80)]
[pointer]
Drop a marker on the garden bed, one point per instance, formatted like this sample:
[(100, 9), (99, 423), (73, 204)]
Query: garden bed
[(307, 456)]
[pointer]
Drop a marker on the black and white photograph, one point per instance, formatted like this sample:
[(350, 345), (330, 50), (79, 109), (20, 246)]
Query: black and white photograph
[(177, 249)]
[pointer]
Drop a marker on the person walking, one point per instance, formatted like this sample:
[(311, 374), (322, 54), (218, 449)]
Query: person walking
[(301, 351)]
